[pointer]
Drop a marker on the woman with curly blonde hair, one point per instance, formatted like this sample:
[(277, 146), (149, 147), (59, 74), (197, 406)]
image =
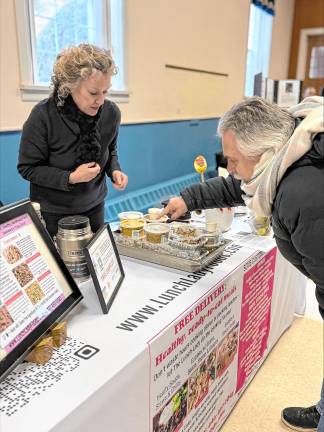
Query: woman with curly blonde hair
[(69, 141)]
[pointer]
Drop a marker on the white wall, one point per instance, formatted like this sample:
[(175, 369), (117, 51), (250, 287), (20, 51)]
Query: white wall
[(209, 34), (281, 39)]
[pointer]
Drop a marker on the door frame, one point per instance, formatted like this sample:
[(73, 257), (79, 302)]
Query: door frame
[(302, 49)]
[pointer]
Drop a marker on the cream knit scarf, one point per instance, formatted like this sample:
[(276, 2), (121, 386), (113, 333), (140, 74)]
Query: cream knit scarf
[(260, 191)]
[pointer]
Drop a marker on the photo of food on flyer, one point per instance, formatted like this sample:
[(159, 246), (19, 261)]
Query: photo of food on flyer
[(170, 417), (226, 351)]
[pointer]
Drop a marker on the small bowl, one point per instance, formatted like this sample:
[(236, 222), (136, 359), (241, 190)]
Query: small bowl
[(163, 219), (154, 213), (156, 232)]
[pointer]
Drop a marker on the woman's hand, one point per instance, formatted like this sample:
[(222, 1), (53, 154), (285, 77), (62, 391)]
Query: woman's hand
[(84, 173), (176, 207), (120, 180)]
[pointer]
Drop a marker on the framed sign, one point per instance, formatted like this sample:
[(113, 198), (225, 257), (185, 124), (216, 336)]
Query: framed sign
[(105, 266), (36, 288)]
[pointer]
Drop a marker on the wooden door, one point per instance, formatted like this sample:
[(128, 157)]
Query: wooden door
[(314, 70)]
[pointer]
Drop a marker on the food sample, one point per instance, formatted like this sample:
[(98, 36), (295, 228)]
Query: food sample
[(156, 232), (185, 233), (154, 213), (162, 219), (23, 274), (12, 254), (42, 352), (132, 228), (59, 334), (130, 215)]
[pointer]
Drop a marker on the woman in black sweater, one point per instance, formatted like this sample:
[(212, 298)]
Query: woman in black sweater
[(69, 141)]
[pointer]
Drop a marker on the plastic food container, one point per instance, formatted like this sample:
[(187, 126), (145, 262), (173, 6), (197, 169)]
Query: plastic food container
[(156, 232), (133, 228), (260, 225), (163, 219), (154, 213), (186, 236), (213, 240), (130, 215)]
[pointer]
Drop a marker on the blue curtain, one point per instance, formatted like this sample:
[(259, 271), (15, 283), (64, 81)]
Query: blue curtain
[(266, 5)]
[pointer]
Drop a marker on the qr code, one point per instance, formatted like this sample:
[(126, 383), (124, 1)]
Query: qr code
[(29, 381)]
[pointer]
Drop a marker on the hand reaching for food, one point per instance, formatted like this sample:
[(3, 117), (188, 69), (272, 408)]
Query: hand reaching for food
[(176, 207)]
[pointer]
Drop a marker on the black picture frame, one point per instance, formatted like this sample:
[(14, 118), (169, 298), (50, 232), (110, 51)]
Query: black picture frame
[(45, 245), (98, 269)]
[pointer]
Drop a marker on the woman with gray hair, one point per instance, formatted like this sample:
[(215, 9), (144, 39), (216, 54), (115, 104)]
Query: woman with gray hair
[(69, 141), (276, 163)]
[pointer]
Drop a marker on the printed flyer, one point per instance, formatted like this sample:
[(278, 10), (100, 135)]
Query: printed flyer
[(199, 364), (29, 291), (105, 264)]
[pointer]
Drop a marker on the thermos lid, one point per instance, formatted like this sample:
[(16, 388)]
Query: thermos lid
[(73, 222)]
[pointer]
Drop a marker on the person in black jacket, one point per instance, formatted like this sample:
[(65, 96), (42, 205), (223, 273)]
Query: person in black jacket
[(69, 141), (276, 163)]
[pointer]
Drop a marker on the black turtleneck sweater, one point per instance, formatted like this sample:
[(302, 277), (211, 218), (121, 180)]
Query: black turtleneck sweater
[(54, 141)]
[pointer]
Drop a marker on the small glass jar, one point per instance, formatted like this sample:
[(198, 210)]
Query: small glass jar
[(259, 225)]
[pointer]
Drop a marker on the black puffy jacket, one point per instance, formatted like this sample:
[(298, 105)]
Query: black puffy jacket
[(297, 212)]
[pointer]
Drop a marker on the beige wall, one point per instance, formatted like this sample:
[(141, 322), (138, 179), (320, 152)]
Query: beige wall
[(12, 110), (281, 39), (209, 34), (191, 34)]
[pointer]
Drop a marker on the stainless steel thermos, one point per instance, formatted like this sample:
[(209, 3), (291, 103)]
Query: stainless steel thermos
[(74, 232)]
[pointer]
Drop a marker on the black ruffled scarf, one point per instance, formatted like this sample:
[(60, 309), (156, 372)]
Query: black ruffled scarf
[(89, 148)]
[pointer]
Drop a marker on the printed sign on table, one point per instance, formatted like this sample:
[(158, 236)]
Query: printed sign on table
[(105, 266), (199, 364), (29, 289)]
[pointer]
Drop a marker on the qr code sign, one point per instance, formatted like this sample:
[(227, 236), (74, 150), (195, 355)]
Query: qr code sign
[(29, 380)]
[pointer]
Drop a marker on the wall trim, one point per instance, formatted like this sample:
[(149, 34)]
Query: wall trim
[(193, 120), (302, 50), (8, 129)]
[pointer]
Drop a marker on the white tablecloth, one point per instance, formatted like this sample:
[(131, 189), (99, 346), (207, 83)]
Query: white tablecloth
[(110, 389)]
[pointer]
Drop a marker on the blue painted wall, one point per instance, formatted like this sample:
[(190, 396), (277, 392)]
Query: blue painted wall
[(12, 186), (149, 153)]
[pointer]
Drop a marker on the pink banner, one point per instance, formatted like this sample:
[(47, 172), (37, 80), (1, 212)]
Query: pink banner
[(255, 315)]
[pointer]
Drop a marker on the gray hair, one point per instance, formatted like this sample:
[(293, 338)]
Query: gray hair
[(259, 126)]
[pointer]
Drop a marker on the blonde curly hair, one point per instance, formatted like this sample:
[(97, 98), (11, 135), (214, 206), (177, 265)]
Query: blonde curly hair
[(76, 63)]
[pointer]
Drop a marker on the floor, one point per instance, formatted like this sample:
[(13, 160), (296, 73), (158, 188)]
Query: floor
[(291, 376), (311, 302)]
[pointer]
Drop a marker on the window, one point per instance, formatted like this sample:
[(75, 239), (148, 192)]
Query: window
[(316, 68), (46, 27), (259, 45)]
